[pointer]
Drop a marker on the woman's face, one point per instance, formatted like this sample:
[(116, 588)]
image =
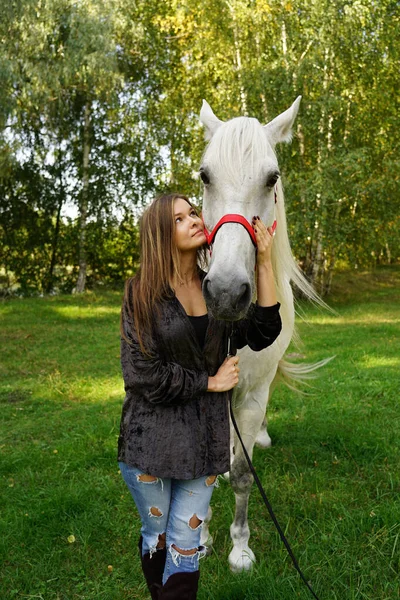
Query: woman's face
[(189, 228)]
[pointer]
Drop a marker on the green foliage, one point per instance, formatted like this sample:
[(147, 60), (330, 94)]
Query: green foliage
[(113, 251), (140, 71)]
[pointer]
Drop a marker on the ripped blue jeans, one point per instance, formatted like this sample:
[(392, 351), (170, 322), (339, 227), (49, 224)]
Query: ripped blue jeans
[(174, 507)]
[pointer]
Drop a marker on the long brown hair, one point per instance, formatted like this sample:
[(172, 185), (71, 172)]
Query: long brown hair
[(159, 263)]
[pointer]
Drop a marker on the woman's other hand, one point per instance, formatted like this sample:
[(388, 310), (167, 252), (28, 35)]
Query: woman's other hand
[(227, 376)]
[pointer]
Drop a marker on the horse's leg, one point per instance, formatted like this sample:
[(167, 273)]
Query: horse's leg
[(263, 440), (206, 538), (242, 557), (232, 449)]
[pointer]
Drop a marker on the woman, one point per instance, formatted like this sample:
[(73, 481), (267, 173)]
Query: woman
[(174, 437)]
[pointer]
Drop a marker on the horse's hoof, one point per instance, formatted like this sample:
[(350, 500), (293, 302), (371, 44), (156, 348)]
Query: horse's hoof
[(208, 543), (263, 440), (241, 560)]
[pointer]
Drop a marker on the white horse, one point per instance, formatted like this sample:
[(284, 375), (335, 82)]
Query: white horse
[(241, 175)]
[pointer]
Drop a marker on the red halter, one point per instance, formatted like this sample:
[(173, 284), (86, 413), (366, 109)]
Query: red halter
[(235, 218)]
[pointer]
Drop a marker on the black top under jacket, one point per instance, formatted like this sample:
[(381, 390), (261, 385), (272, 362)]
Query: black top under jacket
[(200, 325), (171, 426)]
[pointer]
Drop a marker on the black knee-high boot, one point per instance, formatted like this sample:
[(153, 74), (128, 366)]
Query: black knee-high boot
[(180, 586), (153, 569)]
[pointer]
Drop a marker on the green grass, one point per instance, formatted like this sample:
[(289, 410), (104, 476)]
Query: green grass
[(332, 474)]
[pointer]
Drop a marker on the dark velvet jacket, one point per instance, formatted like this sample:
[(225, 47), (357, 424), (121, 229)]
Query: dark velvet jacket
[(170, 425)]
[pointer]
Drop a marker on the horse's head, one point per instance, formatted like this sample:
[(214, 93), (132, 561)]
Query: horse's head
[(239, 171)]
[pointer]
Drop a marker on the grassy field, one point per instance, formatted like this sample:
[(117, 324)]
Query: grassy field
[(68, 526)]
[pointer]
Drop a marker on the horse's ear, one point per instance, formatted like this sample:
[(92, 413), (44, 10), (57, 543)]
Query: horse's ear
[(280, 128), (209, 120)]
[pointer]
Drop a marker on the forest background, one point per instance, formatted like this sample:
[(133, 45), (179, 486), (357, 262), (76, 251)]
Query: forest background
[(99, 105)]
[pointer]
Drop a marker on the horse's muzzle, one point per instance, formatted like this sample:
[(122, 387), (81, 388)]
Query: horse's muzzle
[(227, 302)]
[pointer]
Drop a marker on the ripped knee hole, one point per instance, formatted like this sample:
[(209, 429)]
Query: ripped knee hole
[(210, 480), (155, 512), (194, 522), (147, 478), (185, 552)]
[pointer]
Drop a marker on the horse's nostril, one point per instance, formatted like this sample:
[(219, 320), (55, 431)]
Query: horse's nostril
[(243, 297)]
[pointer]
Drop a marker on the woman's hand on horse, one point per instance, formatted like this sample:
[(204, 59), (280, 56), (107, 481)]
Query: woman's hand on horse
[(264, 236), (227, 376)]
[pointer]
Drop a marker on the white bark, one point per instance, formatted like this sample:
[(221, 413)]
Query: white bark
[(325, 129), (83, 208), (238, 60)]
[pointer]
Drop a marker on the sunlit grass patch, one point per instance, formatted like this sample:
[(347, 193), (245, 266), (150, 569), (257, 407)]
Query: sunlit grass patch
[(366, 318), (332, 474), (381, 361), (79, 389), (79, 312)]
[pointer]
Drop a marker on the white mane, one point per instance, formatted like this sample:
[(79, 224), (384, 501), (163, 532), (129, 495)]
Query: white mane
[(284, 265)]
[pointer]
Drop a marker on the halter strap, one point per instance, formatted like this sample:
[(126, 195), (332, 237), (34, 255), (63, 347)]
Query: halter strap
[(230, 218), (235, 218)]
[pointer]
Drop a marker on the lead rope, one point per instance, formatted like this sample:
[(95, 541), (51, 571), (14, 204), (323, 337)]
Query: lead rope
[(232, 352)]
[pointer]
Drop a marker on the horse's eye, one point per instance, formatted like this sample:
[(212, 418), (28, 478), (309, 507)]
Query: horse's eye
[(204, 177), (272, 179)]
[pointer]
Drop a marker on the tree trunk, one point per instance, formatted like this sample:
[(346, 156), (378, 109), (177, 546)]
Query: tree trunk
[(49, 279), (284, 45), (83, 208), (48, 284), (173, 166), (238, 61), (325, 146), (259, 63), (329, 276), (317, 261), (388, 254)]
